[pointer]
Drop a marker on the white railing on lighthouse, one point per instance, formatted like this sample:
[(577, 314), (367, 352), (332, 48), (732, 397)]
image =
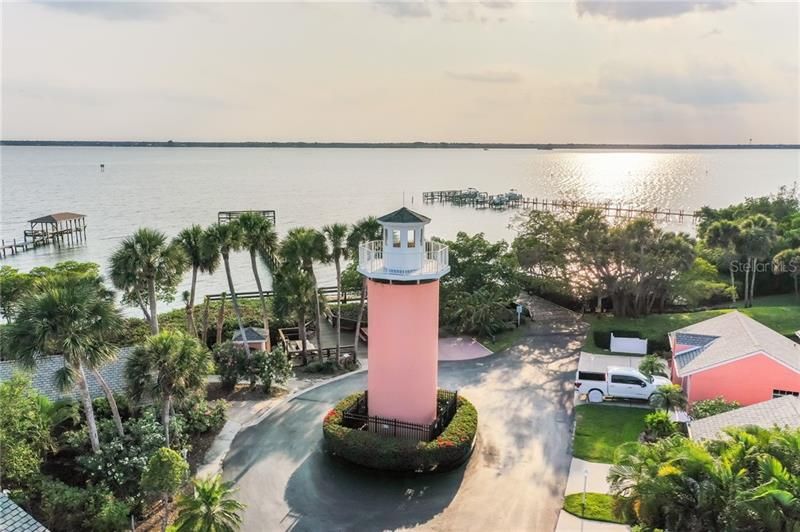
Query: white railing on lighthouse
[(375, 260)]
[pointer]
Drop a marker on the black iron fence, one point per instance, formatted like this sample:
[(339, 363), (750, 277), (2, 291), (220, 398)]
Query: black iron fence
[(357, 417)]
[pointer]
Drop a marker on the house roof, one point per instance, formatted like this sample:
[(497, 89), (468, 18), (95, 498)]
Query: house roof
[(253, 334), (15, 519), (782, 412), (56, 217), (728, 337), (404, 216)]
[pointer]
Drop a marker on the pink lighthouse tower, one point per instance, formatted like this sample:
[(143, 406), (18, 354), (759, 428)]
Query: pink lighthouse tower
[(403, 272)]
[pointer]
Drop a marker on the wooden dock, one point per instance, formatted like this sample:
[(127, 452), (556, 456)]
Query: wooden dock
[(227, 216), (61, 228), (513, 200)]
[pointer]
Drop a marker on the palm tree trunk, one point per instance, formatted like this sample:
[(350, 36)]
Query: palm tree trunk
[(165, 409), (142, 306), (753, 280), (88, 409), (112, 402), (235, 302), (360, 317), (165, 518), (733, 287), (205, 321), (338, 311), (747, 284), (301, 330), (264, 312), (190, 305), (317, 309), (220, 317), (151, 294)]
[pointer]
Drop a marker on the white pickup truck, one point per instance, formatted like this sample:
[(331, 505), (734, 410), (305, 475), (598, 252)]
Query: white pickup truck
[(622, 382)]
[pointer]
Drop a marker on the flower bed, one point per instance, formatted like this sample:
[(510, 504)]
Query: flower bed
[(377, 451)]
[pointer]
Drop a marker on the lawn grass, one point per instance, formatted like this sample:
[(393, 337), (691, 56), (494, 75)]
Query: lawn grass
[(599, 507), (780, 312), (504, 340), (600, 429)]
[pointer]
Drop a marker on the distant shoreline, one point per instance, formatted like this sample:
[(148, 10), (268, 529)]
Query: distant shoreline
[(404, 145)]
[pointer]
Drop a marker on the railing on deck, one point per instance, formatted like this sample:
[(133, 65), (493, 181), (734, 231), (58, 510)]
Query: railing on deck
[(374, 258)]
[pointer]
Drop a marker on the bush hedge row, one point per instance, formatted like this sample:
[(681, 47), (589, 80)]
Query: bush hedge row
[(383, 452)]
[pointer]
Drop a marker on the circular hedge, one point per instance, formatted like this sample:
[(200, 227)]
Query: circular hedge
[(378, 451)]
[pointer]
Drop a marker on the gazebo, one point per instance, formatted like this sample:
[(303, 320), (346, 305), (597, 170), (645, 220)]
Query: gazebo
[(56, 225)]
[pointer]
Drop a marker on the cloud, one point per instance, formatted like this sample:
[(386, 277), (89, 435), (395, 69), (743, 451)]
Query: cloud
[(623, 10), (106, 10), (401, 9), (698, 86), (486, 76)]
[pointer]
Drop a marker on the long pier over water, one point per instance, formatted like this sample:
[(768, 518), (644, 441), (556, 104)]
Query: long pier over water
[(514, 200)]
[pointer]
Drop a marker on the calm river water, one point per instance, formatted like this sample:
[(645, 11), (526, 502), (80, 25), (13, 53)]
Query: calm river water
[(171, 188)]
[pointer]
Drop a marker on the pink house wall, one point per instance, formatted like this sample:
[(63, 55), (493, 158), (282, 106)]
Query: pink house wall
[(748, 380), (403, 350)]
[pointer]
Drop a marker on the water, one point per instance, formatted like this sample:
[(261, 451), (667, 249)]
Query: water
[(171, 188)]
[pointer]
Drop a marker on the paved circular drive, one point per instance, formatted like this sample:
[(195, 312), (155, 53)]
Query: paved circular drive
[(514, 480)]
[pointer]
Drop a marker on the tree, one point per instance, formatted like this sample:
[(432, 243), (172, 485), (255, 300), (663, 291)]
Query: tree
[(226, 238), (210, 508), (272, 367), (756, 236), (71, 316), (788, 261), (712, 407), (302, 247), (483, 313), (169, 366), (203, 257), (295, 297), (24, 432), (165, 473), (364, 230), (13, 286), (337, 239), (669, 397), (723, 235), (146, 263), (260, 238), (653, 365)]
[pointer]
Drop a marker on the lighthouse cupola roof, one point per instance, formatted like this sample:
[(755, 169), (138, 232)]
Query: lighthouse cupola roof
[(403, 215)]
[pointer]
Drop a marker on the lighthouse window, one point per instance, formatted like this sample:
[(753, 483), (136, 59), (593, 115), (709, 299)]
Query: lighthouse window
[(395, 238), (410, 238), (386, 236)]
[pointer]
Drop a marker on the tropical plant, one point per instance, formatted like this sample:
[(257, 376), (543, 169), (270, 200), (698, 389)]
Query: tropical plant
[(302, 247), (295, 297), (260, 238), (272, 367), (364, 230), (483, 313), (226, 238), (230, 359), (166, 471), (146, 265), (24, 431), (659, 425), (203, 257), (723, 235), (712, 407), (651, 365), (669, 397), (13, 286), (168, 367), (788, 262), (337, 239), (756, 236), (210, 508), (72, 316)]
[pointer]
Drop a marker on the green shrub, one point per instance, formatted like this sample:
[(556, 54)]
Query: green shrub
[(271, 368), (659, 425), (103, 410), (712, 407), (321, 366), (378, 451), (69, 508), (200, 416), (231, 362)]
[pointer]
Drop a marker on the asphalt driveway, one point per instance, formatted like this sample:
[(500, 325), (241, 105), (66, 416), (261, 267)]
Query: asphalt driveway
[(514, 481)]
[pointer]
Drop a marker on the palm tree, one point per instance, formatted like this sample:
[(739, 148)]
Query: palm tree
[(260, 239), (364, 230), (145, 261), (337, 238), (294, 296), (788, 261), (168, 366), (210, 508), (723, 235), (653, 365), (756, 236), (669, 397), (203, 258), (226, 238), (70, 317), (300, 249)]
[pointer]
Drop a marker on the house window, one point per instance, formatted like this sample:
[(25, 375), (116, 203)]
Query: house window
[(781, 393), (410, 239), (395, 238)]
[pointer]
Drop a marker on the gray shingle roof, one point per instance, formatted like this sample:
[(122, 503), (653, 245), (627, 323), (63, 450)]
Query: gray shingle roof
[(253, 334), (15, 519), (736, 336), (57, 217), (781, 412), (404, 216)]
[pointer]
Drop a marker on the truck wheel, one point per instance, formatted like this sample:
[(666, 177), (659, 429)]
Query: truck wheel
[(595, 396)]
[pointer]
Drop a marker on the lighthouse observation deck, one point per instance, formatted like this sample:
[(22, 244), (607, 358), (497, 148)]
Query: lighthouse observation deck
[(401, 263)]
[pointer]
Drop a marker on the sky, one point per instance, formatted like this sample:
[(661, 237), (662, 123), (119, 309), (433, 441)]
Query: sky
[(493, 71)]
